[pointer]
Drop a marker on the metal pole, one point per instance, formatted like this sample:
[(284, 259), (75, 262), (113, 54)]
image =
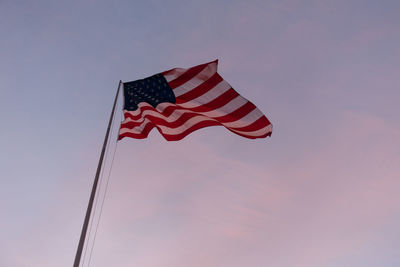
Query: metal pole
[(96, 179)]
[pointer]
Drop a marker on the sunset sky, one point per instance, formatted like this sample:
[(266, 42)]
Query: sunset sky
[(323, 191)]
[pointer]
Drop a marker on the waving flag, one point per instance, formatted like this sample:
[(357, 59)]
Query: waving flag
[(180, 101)]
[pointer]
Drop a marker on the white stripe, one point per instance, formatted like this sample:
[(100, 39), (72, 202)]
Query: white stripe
[(160, 107), (190, 123), (174, 73), (175, 115), (229, 107), (135, 130), (251, 117), (202, 76), (209, 96), (137, 111)]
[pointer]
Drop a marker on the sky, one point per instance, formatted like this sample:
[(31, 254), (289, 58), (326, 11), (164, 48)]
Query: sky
[(323, 191)]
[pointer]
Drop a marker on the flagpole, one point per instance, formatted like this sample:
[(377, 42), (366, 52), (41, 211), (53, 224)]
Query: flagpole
[(94, 187)]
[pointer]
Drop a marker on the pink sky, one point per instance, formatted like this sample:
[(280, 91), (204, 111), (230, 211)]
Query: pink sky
[(323, 191)]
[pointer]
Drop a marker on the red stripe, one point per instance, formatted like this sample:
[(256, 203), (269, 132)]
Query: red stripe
[(195, 127), (199, 90), (250, 136), (145, 132), (132, 135), (217, 102), (237, 114), (187, 75), (166, 112), (127, 114), (255, 126)]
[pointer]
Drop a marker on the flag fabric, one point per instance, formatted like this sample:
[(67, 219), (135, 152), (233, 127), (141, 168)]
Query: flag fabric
[(180, 101)]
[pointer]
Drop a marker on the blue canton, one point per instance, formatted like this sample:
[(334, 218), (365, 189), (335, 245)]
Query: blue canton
[(153, 90)]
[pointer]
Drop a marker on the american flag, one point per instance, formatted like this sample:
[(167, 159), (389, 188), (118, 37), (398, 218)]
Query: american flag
[(180, 101)]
